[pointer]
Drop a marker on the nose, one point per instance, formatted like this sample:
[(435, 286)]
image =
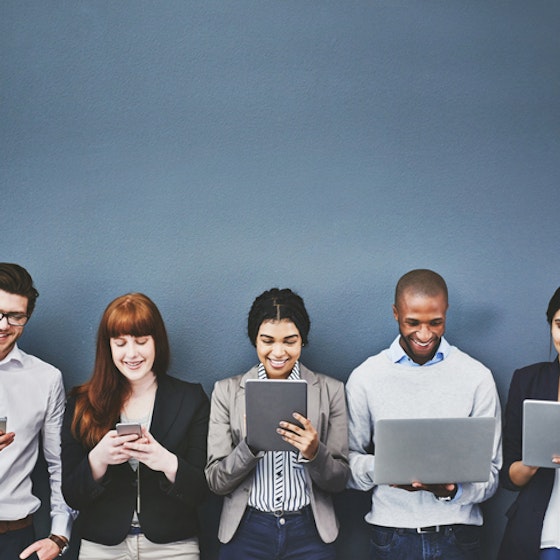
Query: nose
[(131, 350), (424, 333), (2, 318), (278, 350)]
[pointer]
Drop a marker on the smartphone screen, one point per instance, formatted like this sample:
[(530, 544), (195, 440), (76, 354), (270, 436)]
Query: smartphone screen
[(125, 428)]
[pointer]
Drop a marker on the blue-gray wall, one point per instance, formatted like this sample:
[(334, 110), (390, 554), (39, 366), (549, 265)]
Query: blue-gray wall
[(202, 152)]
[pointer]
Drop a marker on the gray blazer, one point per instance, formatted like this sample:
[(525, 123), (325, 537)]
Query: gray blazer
[(230, 465)]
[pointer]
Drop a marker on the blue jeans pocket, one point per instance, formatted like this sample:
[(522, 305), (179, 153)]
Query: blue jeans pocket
[(381, 543), (466, 537)]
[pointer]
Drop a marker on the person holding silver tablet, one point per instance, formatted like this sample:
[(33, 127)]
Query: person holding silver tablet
[(134, 444), (278, 504), (533, 528)]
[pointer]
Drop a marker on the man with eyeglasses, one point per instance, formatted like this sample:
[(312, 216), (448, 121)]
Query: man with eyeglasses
[(31, 408)]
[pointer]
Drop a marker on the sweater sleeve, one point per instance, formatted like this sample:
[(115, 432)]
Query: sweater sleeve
[(360, 434), (486, 403)]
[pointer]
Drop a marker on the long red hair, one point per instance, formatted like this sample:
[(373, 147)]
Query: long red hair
[(100, 400)]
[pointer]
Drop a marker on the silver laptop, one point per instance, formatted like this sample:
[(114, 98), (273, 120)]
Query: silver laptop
[(541, 432), (267, 402), (433, 450)]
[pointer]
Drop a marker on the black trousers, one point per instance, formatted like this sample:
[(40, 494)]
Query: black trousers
[(13, 543)]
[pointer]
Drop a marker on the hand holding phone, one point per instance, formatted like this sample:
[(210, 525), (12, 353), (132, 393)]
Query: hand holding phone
[(5, 438)]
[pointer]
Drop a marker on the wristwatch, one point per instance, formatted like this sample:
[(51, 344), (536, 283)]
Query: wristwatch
[(450, 497), (61, 542)]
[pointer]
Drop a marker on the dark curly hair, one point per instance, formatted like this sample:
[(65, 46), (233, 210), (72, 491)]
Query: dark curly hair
[(275, 305)]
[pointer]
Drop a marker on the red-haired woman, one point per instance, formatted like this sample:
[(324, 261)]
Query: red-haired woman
[(136, 496)]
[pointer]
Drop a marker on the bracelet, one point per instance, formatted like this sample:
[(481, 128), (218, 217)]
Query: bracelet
[(61, 542)]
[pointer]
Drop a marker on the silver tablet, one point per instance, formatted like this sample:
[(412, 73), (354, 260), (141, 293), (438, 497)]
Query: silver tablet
[(267, 402), (541, 433)]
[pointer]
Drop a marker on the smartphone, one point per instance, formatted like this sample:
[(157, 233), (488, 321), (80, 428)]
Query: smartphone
[(125, 428), (3, 423)]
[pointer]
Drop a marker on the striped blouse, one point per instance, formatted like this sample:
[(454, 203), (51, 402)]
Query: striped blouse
[(279, 478)]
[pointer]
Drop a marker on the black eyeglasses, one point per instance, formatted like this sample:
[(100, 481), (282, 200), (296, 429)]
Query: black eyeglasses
[(15, 319)]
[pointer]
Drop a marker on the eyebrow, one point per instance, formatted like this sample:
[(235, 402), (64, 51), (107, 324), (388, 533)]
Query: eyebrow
[(264, 335)]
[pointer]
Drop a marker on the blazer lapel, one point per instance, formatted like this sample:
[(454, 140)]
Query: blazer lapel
[(313, 396), (167, 406)]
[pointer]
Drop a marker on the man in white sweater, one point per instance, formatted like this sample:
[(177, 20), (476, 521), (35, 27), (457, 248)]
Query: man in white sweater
[(419, 376)]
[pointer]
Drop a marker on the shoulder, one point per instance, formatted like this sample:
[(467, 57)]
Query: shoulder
[(234, 383), (459, 359), (33, 362), (540, 368), (371, 366), (180, 386), (540, 373), (320, 378)]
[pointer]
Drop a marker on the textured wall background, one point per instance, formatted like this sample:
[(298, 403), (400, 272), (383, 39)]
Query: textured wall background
[(202, 152)]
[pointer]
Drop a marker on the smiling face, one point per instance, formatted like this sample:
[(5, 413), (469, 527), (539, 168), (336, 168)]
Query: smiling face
[(421, 320), (10, 303), (278, 346), (134, 356)]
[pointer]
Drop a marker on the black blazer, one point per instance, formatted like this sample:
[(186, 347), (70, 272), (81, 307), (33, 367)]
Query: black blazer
[(522, 536), (168, 511)]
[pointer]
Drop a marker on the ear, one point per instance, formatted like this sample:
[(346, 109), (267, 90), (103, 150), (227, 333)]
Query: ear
[(395, 313)]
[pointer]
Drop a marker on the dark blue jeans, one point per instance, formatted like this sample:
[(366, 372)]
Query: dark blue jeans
[(13, 543), (550, 554), (456, 542), (261, 536)]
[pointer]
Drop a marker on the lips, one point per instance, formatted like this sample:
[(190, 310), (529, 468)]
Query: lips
[(277, 363), (423, 344), (133, 365)]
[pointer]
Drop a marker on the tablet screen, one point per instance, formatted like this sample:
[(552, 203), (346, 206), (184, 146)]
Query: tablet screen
[(267, 402)]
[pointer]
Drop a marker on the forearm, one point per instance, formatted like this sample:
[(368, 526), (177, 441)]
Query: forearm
[(170, 467), (328, 471), (520, 474), (97, 466), (226, 473)]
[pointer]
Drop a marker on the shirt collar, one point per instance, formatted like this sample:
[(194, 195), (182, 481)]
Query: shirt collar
[(294, 374), (15, 355), (398, 356)]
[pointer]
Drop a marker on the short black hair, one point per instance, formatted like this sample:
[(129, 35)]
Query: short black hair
[(14, 279), (421, 281), (275, 305), (553, 306)]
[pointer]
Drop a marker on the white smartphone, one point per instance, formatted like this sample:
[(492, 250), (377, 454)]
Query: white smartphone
[(3, 424), (126, 428)]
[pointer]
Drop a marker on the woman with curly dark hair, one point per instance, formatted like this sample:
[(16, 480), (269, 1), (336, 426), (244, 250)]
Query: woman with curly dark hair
[(278, 503)]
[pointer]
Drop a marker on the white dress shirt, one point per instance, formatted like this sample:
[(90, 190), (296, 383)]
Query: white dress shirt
[(32, 398)]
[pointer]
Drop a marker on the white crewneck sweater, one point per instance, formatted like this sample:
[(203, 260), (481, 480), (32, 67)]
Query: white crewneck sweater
[(455, 387)]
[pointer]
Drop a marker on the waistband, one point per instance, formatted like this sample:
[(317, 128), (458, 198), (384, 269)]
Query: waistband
[(281, 512), (422, 530), (15, 525)]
